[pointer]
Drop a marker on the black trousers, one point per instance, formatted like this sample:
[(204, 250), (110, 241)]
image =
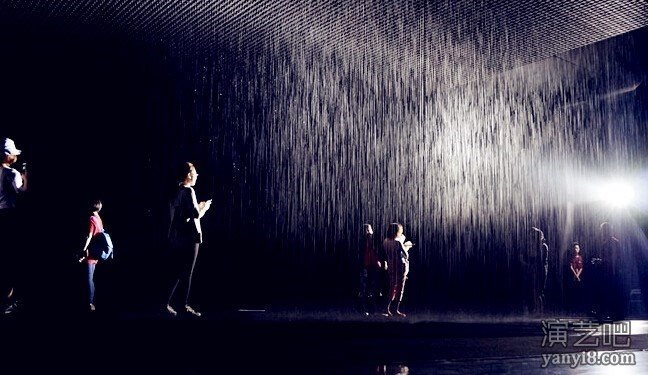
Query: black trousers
[(10, 254), (182, 263)]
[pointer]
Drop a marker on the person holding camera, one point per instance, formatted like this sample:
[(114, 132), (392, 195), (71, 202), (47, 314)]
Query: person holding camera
[(12, 183), (185, 236)]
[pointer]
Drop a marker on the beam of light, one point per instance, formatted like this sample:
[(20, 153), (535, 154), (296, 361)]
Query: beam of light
[(616, 193)]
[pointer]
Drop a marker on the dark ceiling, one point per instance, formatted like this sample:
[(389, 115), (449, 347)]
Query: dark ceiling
[(489, 35)]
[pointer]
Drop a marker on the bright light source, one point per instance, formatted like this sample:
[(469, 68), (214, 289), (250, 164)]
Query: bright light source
[(617, 194)]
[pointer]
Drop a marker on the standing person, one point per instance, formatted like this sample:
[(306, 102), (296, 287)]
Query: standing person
[(371, 264), (185, 236), (535, 265), (91, 260), (575, 290), (611, 292), (396, 252), (12, 183)]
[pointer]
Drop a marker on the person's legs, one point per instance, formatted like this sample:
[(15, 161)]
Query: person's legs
[(90, 282), (173, 289), (372, 292), (393, 290), (399, 295), (175, 266), (362, 293), (396, 295), (189, 277), (396, 284), (7, 257), (6, 291), (608, 296), (388, 308)]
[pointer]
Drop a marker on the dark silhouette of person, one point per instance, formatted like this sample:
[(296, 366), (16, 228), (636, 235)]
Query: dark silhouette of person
[(535, 267), (370, 266), (610, 291), (12, 253), (185, 236), (396, 252)]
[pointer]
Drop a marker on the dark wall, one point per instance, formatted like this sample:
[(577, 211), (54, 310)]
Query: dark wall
[(76, 104), (103, 116)]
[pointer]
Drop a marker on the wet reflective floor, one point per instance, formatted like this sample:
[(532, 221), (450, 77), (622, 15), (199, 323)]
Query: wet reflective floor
[(257, 342)]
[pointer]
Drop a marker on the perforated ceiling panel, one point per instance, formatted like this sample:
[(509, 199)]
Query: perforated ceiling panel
[(496, 35)]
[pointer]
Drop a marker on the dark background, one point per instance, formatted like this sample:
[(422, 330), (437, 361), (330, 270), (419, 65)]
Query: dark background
[(103, 115)]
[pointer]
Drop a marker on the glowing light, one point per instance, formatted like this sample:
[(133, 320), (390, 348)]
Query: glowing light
[(617, 194)]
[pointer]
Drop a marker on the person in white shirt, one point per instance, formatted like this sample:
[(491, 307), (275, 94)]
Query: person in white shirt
[(12, 183)]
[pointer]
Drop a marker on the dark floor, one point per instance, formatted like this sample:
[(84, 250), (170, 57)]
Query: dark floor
[(299, 342)]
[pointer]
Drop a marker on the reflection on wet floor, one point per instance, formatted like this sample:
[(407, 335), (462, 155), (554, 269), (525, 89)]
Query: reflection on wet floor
[(394, 369), (254, 344), (637, 363)]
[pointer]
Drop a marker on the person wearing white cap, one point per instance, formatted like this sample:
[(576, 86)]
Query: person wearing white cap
[(12, 183)]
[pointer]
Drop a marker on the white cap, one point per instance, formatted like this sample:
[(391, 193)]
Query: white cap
[(10, 147)]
